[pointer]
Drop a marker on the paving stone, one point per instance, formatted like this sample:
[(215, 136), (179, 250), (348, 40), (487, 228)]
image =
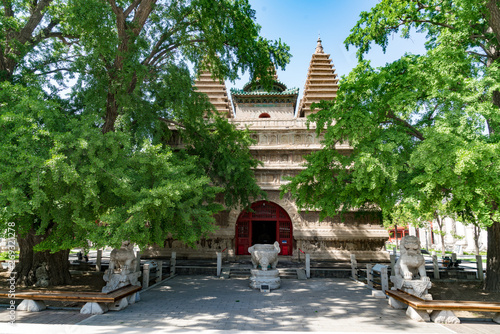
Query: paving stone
[(199, 304)]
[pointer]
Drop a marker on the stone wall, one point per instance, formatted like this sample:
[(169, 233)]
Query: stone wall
[(254, 110), (330, 239)]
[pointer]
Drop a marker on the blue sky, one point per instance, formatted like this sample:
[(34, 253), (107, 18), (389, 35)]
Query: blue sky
[(298, 24)]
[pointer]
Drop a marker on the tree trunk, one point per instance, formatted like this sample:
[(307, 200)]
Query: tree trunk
[(439, 222), (111, 113), (477, 232), (492, 282), (443, 248), (41, 268)]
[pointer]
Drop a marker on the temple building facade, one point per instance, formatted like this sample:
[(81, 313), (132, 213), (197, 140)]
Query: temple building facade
[(277, 121)]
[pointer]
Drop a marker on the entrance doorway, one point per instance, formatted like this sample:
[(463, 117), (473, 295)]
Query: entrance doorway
[(263, 232), (265, 224)]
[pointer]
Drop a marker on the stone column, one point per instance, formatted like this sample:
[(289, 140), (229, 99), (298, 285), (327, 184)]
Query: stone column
[(393, 263), (159, 271), (354, 267), (308, 265), (219, 263), (145, 276), (369, 275), (172, 263)]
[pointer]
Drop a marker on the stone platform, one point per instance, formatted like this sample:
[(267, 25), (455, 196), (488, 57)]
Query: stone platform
[(270, 278)]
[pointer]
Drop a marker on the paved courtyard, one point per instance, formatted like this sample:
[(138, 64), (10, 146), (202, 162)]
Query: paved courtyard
[(207, 304)]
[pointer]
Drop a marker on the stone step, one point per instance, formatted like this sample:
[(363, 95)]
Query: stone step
[(285, 273), (239, 273), (288, 273)]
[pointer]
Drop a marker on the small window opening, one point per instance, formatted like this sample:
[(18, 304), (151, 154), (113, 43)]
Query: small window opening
[(264, 115)]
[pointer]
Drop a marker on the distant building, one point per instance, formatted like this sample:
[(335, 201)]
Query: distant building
[(458, 237), (398, 232), (282, 140)]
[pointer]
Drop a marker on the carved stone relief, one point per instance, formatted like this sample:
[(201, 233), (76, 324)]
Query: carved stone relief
[(316, 246), (347, 219), (284, 139), (278, 157), (273, 177), (205, 244), (273, 138), (221, 218)]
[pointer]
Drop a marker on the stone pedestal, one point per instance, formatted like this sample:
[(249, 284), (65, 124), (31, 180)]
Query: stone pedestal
[(444, 317), (268, 277), (397, 304), (94, 308), (416, 287), (120, 279), (418, 315), (31, 305)]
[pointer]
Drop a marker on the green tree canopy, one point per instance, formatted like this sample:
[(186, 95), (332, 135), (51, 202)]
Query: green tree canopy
[(424, 129), (91, 148)]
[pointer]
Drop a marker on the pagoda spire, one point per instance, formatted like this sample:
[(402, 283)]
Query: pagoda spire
[(321, 81), (272, 71), (216, 92), (319, 46)]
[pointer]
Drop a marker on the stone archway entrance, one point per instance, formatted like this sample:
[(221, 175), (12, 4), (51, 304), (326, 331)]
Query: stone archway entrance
[(266, 224)]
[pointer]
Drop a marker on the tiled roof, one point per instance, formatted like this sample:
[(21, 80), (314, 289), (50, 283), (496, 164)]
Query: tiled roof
[(286, 92)]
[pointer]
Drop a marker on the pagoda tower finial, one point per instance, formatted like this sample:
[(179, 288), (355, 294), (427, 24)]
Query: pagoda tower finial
[(216, 91), (272, 71), (321, 82), (319, 47)]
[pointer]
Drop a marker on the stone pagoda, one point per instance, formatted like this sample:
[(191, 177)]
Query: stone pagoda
[(278, 125)]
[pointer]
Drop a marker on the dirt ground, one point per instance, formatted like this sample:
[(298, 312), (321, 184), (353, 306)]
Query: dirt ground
[(467, 291), (462, 291), (90, 281)]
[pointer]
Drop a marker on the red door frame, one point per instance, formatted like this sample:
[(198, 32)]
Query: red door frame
[(264, 211)]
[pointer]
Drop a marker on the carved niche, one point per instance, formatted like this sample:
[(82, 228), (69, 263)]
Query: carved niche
[(318, 246)]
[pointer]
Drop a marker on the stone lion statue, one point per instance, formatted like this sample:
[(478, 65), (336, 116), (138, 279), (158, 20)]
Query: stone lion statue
[(411, 262), (123, 259), (122, 269)]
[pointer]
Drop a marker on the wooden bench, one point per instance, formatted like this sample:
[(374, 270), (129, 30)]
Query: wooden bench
[(445, 305), (96, 302)]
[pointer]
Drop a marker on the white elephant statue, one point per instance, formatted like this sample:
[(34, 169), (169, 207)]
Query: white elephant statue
[(265, 255)]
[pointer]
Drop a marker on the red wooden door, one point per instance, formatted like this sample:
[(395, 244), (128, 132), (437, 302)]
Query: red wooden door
[(285, 236), (243, 234), (267, 212)]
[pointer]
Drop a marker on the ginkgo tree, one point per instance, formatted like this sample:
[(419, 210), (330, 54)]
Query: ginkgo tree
[(425, 128), (89, 117)]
